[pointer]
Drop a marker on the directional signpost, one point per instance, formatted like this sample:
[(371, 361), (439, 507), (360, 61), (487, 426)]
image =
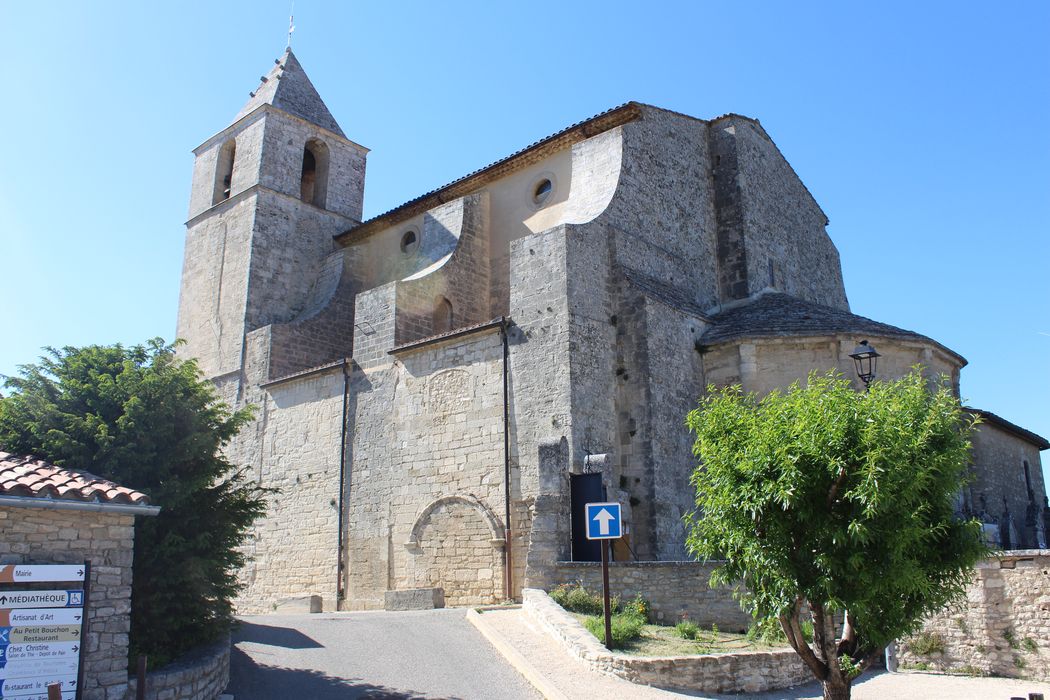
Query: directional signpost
[(41, 630), (604, 523)]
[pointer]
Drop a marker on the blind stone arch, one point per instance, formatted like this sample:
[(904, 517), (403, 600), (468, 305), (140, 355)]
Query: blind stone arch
[(499, 534), (442, 320)]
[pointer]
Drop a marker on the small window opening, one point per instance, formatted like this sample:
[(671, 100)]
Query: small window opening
[(442, 316), (542, 191), (309, 176), (224, 172), (313, 181), (409, 242), (1028, 481)]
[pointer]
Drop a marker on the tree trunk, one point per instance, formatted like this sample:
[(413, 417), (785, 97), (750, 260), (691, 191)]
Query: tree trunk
[(835, 689)]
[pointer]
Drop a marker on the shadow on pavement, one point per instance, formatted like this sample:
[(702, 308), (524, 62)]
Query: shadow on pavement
[(286, 637), (250, 680)]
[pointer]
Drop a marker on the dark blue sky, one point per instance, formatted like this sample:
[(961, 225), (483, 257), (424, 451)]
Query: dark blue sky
[(923, 129)]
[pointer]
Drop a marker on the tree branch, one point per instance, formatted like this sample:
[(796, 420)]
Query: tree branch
[(797, 640), (834, 491), (823, 621), (848, 644)]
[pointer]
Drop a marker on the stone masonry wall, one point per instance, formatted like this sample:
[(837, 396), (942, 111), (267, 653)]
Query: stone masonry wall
[(462, 280), (1002, 628), (283, 142), (784, 228), (763, 364), (999, 492), (294, 446), (539, 390), (324, 331), (425, 504), (214, 279), (38, 536), (677, 590), (663, 210)]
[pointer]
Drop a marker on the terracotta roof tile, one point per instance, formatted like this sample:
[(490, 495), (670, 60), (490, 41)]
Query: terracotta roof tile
[(28, 476)]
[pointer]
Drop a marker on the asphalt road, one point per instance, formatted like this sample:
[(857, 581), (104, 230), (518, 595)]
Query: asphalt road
[(433, 654)]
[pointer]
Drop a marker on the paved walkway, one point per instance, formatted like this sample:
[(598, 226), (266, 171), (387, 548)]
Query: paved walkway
[(560, 676), (350, 656)]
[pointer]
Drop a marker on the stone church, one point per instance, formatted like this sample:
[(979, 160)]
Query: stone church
[(440, 387)]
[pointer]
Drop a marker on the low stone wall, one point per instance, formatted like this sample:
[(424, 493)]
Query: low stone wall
[(749, 672), (1002, 628), (676, 589), (200, 675)]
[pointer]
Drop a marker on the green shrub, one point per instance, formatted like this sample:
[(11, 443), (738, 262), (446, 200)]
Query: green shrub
[(1030, 645), (687, 630), (624, 629), (926, 643), (1008, 635), (577, 599), (767, 631), (638, 607)]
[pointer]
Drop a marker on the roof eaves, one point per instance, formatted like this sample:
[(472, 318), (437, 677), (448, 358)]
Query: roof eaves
[(1027, 435), (580, 131)]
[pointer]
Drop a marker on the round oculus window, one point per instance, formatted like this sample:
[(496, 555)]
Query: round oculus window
[(542, 191), (409, 242)]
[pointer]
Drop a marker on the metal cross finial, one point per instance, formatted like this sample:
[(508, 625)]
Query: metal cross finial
[(291, 25)]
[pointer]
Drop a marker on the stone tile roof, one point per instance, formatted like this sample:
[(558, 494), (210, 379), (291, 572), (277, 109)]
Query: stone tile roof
[(1027, 435), (35, 478), (781, 315), (287, 88)]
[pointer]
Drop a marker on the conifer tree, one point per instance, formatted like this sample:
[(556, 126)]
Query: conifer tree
[(147, 420)]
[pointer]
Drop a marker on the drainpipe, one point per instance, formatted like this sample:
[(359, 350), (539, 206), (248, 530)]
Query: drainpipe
[(340, 592), (507, 555)]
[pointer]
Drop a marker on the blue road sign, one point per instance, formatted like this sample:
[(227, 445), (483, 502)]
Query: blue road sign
[(603, 521)]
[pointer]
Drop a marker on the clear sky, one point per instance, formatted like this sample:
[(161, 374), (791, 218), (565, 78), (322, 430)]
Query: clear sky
[(923, 129)]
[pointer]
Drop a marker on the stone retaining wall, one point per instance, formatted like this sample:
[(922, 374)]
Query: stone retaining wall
[(1001, 629), (200, 675), (676, 589), (751, 672)]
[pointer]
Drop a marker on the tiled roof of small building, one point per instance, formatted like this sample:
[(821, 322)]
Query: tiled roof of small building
[(31, 477), (775, 314), (1027, 435)]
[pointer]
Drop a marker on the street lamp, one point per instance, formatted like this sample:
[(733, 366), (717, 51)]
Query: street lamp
[(865, 357)]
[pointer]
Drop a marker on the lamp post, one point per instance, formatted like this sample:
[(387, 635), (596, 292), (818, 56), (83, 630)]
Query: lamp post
[(866, 359)]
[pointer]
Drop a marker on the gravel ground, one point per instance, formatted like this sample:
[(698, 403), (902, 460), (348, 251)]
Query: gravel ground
[(345, 656), (916, 686)]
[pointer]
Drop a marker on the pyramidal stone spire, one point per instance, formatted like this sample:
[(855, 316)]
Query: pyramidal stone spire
[(287, 88)]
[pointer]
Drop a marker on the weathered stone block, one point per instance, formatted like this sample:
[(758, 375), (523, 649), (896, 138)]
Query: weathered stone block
[(298, 604), (414, 599)]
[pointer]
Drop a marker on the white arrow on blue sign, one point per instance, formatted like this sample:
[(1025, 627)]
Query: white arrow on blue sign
[(603, 521)]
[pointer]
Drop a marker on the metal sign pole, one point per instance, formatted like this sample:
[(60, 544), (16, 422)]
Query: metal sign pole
[(605, 594)]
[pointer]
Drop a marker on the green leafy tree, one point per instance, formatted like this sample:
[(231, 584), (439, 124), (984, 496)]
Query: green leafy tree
[(147, 420), (823, 499)]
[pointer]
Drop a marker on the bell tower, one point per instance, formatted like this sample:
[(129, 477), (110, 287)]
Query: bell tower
[(269, 192)]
